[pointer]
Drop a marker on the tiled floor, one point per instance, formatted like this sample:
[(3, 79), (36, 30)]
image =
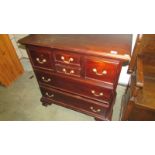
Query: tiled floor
[(21, 101)]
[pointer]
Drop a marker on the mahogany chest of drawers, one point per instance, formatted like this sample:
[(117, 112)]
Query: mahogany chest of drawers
[(80, 71)]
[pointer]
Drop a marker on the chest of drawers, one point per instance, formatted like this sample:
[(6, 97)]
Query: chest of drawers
[(79, 72)]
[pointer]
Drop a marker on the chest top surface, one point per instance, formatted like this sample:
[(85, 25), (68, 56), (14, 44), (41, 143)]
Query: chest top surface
[(109, 45)]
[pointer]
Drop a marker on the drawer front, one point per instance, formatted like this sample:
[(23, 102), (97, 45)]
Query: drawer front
[(44, 77), (41, 57), (73, 101), (105, 70), (66, 58), (70, 71), (100, 94)]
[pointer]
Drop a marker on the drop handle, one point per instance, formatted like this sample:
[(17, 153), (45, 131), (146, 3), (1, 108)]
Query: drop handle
[(104, 72), (95, 94), (47, 94), (41, 61), (95, 110), (46, 80), (65, 71), (67, 61)]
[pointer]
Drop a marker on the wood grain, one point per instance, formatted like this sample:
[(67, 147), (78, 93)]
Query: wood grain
[(10, 66), (138, 103), (139, 73)]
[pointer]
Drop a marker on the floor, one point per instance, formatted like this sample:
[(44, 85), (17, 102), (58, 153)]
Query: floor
[(21, 102)]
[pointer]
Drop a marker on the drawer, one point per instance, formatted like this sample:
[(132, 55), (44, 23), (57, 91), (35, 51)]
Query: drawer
[(41, 57), (73, 101), (66, 57), (70, 71), (44, 77), (82, 88), (105, 70)]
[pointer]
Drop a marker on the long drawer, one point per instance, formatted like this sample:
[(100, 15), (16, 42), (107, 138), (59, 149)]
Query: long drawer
[(74, 102), (85, 89)]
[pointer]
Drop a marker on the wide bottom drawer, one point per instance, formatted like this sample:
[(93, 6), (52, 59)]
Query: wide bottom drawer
[(82, 88), (74, 102)]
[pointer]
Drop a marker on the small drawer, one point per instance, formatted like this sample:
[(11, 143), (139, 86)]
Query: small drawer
[(73, 101), (44, 77), (41, 57), (70, 71), (105, 70), (66, 58)]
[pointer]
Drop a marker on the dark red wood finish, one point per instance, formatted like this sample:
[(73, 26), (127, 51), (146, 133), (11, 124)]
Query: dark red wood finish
[(80, 104), (86, 89), (80, 71), (103, 69), (41, 57), (66, 57), (70, 71), (102, 45)]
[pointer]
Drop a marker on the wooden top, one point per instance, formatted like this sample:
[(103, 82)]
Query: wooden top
[(99, 44)]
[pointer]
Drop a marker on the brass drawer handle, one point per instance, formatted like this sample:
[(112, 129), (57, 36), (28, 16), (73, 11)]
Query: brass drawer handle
[(46, 80), (92, 109), (65, 71), (65, 61), (94, 93), (47, 94), (104, 72), (41, 61)]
